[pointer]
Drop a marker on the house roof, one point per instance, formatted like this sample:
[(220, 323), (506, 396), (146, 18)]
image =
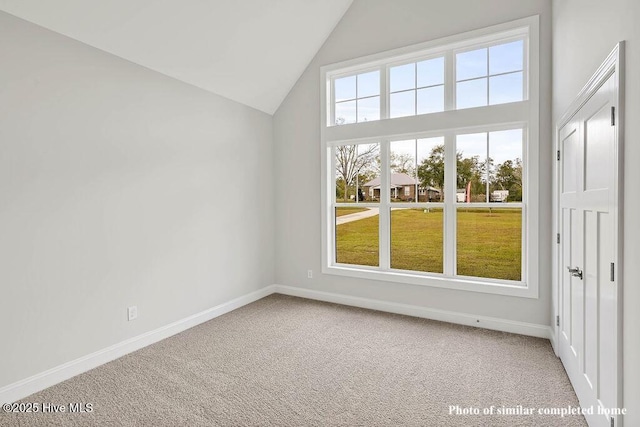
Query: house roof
[(250, 51)]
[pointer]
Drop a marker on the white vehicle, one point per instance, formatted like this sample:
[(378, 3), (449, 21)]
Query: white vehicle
[(499, 196)]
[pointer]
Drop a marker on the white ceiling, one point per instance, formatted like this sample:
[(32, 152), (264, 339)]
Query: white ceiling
[(251, 51)]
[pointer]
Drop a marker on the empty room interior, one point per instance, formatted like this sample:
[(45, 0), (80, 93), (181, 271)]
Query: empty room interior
[(320, 212)]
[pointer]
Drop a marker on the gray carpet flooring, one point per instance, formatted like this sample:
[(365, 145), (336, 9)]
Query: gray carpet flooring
[(285, 361)]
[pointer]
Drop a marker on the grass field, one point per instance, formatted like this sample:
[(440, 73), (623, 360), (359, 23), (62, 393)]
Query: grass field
[(489, 243)]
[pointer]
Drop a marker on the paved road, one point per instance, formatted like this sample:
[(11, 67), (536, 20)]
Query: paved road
[(356, 216)]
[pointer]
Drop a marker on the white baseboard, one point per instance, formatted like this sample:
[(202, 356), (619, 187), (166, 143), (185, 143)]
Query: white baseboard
[(35, 383), (531, 329), (552, 338)]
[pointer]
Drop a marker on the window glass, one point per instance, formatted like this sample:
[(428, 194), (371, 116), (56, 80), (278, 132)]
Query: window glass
[(417, 239), (357, 173), (403, 104), (489, 243), (430, 100), (345, 112), (430, 170), (471, 168), (357, 98), (357, 236), (402, 77), (505, 160), (507, 57), (471, 64), (416, 88), (490, 76), (369, 109), (471, 93), (402, 176), (368, 84), (345, 88), (505, 88), (431, 72)]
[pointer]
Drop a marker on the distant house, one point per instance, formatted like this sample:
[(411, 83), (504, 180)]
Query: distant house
[(403, 187)]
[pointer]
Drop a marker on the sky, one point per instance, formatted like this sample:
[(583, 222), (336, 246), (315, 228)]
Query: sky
[(486, 76)]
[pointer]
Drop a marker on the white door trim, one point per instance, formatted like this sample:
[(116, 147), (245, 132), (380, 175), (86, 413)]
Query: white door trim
[(614, 63)]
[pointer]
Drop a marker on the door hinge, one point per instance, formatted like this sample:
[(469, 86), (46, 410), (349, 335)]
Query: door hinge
[(613, 116), (557, 320), (558, 238), (558, 155), (613, 272)]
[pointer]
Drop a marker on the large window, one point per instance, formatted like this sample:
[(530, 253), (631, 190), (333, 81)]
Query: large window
[(434, 193)]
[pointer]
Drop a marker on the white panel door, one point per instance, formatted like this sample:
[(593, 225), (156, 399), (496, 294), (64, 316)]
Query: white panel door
[(588, 295)]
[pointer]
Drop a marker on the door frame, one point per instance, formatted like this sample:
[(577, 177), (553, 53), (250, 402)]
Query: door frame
[(614, 63)]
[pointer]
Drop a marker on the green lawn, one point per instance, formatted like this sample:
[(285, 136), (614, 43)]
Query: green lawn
[(489, 243)]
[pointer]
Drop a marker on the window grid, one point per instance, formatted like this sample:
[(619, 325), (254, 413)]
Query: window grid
[(496, 119)]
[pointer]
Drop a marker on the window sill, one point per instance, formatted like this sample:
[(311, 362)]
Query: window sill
[(489, 286)]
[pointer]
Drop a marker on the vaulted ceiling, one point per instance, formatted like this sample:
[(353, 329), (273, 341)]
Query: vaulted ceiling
[(251, 51)]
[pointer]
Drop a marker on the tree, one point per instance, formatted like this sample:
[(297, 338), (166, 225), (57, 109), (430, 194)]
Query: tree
[(402, 163), (354, 163), (508, 176), (431, 170), (472, 170), (469, 169)]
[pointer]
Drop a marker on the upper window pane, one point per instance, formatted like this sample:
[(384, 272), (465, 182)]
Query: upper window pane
[(431, 72), (505, 162), (345, 88), (402, 164), (506, 57), (357, 98), (403, 104), (368, 84), (471, 64), (430, 171), (345, 112), (471, 168), (430, 100), (471, 93), (402, 77), (368, 109), (505, 88), (357, 173)]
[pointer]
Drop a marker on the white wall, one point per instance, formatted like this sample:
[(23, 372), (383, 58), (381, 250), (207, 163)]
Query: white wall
[(584, 32), (369, 27), (118, 186)]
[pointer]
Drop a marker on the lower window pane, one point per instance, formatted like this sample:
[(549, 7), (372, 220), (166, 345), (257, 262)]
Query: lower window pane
[(489, 243), (416, 239), (357, 235)]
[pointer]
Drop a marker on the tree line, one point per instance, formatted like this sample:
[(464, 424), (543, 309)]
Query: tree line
[(358, 164)]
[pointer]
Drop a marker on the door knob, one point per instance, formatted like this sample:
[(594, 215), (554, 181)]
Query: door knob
[(575, 272)]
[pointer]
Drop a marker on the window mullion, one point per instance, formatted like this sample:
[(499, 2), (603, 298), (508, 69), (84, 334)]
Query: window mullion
[(384, 93), (450, 188), (449, 82), (384, 213)]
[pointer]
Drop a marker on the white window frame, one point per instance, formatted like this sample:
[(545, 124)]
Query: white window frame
[(523, 114)]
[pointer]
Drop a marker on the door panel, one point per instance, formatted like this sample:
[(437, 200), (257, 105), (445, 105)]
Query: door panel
[(588, 306)]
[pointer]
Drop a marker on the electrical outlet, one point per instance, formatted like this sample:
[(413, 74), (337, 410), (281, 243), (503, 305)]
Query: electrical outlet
[(309, 274), (132, 313)]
